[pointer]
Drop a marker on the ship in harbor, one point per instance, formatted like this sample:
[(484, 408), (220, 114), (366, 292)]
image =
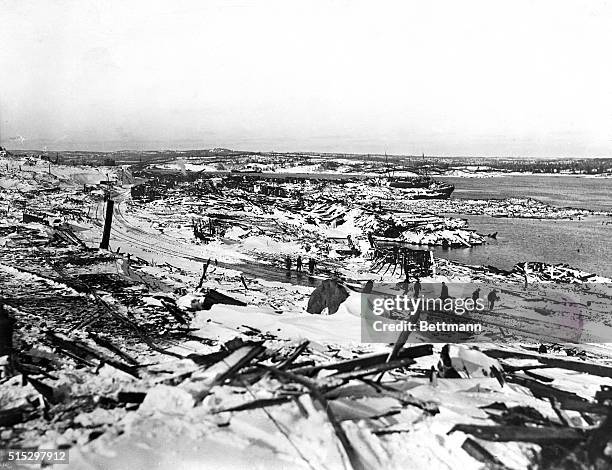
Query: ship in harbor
[(422, 187)]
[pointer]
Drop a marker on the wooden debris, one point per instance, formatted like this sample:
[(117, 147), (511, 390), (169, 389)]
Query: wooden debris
[(481, 454), (367, 360), (13, 416), (566, 400), (113, 348), (537, 435), (261, 403), (84, 351), (570, 364), (294, 355), (351, 453)]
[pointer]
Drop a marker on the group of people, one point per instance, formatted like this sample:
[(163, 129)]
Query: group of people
[(299, 264), (416, 288), (492, 297)]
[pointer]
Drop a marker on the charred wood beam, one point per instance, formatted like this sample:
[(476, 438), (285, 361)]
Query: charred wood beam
[(566, 400), (13, 416), (378, 368), (578, 366), (367, 361), (176, 312), (84, 351), (256, 350), (537, 435), (294, 355), (255, 404), (111, 347), (208, 359), (481, 454)]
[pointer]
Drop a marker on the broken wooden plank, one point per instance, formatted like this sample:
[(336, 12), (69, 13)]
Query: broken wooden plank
[(255, 349), (76, 357), (255, 373), (561, 414), (566, 400), (227, 366), (367, 360), (405, 398), (111, 347), (208, 359), (540, 377), (347, 409), (477, 451), (569, 364), (13, 416), (86, 352), (397, 347), (255, 404), (212, 297), (294, 355), (537, 435), (31, 369), (378, 368)]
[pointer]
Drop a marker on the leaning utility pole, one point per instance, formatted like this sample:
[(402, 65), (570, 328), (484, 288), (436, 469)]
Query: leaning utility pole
[(108, 220)]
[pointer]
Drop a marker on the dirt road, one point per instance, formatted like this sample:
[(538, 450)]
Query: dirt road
[(129, 237)]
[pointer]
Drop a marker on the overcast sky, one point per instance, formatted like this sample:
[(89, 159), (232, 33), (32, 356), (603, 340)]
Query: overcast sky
[(512, 78)]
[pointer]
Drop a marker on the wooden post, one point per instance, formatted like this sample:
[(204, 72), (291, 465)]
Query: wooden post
[(108, 220)]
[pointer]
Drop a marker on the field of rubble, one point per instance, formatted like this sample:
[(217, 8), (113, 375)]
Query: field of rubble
[(189, 337)]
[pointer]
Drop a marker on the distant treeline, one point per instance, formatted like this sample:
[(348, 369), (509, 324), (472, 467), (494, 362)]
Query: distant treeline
[(417, 163)]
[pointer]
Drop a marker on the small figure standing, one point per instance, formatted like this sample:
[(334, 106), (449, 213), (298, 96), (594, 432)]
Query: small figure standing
[(476, 294), (311, 266), (417, 288), (288, 263), (298, 264), (444, 291), (406, 285), (492, 297)]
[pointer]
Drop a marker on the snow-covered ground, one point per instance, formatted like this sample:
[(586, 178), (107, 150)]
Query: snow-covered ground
[(182, 423)]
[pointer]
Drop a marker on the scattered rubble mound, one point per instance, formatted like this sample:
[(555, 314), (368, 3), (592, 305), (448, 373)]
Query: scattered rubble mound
[(329, 295), (405, 407), (122, 360)]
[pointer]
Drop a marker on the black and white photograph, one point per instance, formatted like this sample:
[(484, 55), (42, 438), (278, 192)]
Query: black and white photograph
[(305, 234)]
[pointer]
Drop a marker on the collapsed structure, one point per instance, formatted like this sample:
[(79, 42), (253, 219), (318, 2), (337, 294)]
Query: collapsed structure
[(188, 334)]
